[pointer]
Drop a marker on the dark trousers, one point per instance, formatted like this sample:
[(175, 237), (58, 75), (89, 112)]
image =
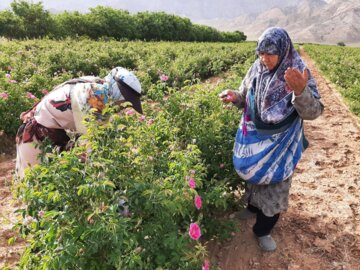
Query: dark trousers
[(263, 224)]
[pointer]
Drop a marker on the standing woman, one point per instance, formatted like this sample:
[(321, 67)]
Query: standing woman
[(277, 94), (65, 107)]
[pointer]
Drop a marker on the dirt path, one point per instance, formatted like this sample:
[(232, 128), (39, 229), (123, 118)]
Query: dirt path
[(9, 254), (321, 229)]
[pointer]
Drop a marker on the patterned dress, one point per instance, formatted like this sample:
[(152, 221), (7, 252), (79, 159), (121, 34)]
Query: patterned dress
[(274, 198), (270, 138)]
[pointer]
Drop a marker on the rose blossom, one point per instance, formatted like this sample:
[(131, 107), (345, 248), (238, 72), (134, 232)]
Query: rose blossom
[(7, 75), (150, 121), (194, 231), (197, 202), (163, 77), (192, 183), (30, 95), (142, 118), (206, 265), (130, 112), (4, 95)]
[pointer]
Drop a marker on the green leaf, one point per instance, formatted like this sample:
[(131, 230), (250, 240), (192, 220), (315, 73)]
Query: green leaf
[(109, 183)]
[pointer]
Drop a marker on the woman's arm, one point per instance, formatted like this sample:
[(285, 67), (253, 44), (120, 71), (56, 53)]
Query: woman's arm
[(238, 97), (307, 106)]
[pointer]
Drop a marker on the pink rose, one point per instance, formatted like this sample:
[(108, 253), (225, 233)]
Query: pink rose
[(194, 231), (192, 183), (142, 118), (221, 166), (12, 81), (150, 121), (206, 265), (4, 95), (163, 77), (7, 75), (30, 95), (197, 202), (130, 112)]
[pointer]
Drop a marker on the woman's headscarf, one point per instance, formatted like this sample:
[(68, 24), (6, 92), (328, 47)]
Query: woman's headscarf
[(124, 85), (272, 94)]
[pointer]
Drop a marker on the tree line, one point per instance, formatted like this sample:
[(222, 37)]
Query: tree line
[(31, 20)]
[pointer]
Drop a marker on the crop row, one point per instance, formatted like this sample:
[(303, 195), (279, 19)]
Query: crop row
[(29, 68), (342, 66)]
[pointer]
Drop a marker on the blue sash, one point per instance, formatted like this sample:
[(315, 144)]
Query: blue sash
[(265, 153)]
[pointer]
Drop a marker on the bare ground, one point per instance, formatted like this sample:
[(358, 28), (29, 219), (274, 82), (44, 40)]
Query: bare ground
[(321, 229), (9, 254)]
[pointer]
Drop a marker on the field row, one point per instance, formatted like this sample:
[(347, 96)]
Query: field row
[(342, 66), (30, 68)]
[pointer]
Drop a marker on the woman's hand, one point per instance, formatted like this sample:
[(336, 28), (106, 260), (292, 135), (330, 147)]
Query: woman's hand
[(227, 96), (296, 80)]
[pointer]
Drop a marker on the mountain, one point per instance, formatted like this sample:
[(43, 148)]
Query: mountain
[(308, 21)]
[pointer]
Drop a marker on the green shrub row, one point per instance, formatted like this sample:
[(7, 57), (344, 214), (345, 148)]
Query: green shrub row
[(341, 65), (30, 20), (30, 68)]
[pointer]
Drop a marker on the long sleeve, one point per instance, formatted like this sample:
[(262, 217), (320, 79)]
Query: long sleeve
[(240, 97), (245, 85), (307, 106)]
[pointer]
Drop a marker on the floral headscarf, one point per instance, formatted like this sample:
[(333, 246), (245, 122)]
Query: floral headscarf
[(272, 94)]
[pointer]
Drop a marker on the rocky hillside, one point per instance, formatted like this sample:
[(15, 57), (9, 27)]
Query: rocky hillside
[(308, 21)]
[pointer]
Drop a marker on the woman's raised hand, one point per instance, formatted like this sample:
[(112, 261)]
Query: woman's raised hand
[(227, 96), (296, 80)]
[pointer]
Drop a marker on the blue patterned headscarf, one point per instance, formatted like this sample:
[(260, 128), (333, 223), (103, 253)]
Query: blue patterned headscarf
[(272, 94)]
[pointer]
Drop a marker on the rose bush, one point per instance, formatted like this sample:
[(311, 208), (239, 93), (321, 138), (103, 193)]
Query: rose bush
[(130, 203)]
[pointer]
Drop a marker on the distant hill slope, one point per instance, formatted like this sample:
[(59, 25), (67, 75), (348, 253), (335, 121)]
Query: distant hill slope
[(308, 21)]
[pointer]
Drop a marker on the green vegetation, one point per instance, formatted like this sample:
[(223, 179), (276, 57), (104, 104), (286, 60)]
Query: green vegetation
[(73, 216), (341, 65), (29, 68), (122, 198), (30, 20)]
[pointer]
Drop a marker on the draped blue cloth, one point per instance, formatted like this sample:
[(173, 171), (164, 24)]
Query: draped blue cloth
[(270, 138)]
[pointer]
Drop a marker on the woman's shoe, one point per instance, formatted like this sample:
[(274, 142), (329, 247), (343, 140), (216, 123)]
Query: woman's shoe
[(267, 243)]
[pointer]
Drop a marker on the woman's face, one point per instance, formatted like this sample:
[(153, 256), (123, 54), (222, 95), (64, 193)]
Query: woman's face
[(269, 60)]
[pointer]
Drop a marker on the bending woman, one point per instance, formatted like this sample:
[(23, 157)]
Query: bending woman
[(64, 109)]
